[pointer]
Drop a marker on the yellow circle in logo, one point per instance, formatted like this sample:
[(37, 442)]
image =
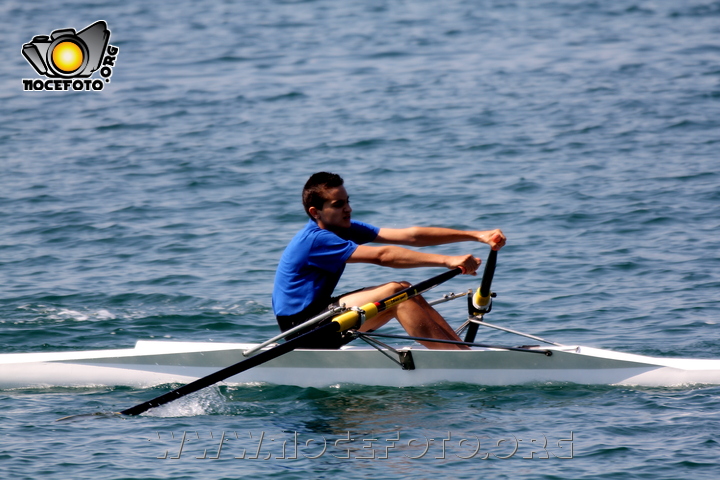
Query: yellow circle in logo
[(67, 56)]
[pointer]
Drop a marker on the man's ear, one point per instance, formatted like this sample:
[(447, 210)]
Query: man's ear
[(313, 212)]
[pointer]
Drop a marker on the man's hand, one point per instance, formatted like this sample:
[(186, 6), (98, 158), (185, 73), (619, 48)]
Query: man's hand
[(494, 238), (467, 263)]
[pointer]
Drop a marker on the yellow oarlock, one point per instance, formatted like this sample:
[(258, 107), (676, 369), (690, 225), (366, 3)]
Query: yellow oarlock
[(350, 319), (479, 300)]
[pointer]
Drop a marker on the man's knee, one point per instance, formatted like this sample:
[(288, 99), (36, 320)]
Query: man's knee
[(397, 286)]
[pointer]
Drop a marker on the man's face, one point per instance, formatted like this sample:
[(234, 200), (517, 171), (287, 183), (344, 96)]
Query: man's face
[(336, 210)]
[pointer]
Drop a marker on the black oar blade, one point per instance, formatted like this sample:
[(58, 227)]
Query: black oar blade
[(262, 357)]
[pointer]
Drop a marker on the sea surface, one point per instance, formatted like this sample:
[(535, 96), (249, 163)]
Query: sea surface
[(158, 208)]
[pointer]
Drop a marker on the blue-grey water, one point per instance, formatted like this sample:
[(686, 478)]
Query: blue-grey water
[(158, 208)]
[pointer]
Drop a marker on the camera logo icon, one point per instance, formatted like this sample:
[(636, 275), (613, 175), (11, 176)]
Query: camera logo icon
[(68, 54), (68, 58)]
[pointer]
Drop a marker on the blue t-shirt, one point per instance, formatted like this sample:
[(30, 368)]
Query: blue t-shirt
[(312, 264)]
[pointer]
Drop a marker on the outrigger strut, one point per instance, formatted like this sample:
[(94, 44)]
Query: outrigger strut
[(529, 349), (505, 329), (448, 297), (405, 359)]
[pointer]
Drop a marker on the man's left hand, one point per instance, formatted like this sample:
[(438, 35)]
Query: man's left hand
[(495, 238)]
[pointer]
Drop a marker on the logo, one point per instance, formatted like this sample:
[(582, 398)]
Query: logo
[(69, 58)]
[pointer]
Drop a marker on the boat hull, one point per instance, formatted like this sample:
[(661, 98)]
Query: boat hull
[(153, 363)]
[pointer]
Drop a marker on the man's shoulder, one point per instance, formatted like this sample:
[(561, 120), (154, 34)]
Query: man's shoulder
[(359, 232), (362, 232), (312, 234), (358, 223)]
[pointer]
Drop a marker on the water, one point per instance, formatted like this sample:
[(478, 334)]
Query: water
[(158, 208)]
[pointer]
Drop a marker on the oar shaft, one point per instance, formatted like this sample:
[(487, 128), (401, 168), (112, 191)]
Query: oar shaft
[(481, 303), (488, 274), (220, 375), (350, 319)]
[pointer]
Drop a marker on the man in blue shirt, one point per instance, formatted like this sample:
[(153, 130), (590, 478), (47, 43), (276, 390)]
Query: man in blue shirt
[(313, 262)]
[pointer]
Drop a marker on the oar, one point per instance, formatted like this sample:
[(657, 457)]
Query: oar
[(481, 302), (220, 375), (340, 323)]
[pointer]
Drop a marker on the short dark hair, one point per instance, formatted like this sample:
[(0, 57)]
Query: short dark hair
[(314, 190)]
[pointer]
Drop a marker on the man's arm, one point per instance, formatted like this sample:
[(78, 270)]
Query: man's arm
[(428, 236), (398, 257)]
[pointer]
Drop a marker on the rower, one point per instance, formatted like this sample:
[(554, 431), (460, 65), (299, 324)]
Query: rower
[(315, 259)]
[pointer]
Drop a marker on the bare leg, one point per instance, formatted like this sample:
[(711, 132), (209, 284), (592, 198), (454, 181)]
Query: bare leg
[(416, 316)]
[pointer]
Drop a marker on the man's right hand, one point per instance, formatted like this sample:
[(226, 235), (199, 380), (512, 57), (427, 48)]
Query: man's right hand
[(467, 263)]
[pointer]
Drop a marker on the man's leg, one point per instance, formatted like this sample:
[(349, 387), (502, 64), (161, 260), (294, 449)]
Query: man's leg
[(415, 315)]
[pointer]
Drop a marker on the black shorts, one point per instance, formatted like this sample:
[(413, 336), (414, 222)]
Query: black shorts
[(286, 322)]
